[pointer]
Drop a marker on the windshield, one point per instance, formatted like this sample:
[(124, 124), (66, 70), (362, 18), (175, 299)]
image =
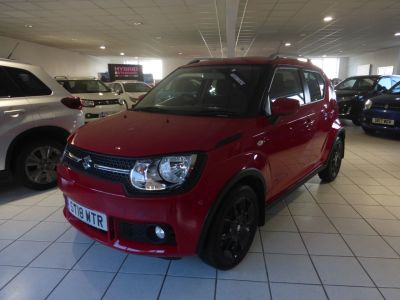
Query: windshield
[(84, 86), (357, 83), (136, 87), (395, 89), (207, 90)]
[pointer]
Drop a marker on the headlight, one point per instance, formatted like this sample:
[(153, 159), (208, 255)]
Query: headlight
[(368, 104), (162, 173), (134, 100), (87, 103)]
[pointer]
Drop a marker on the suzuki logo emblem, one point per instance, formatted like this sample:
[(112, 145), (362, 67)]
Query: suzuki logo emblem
[(87, 162)]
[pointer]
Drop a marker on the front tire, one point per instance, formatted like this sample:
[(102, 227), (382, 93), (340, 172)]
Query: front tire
[(334, 162), (232, 230), (36, 164)]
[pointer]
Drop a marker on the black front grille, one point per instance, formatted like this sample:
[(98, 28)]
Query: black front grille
[(386, 106), (115, 162), (106, 102)]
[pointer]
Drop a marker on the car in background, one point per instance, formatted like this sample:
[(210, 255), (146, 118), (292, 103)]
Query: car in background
[(352, 93), (335, 81), (382, 113), (97, 99), (130, 90), (36, 117), (190, 168)]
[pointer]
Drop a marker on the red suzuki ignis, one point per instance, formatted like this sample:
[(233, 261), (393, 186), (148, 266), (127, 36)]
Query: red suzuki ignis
[(190, 169)]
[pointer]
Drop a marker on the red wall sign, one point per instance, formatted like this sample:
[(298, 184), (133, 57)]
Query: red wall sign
[(125, 72)]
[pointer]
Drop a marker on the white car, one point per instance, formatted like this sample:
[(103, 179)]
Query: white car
[(97, 99), (36, 117), (130, 90)]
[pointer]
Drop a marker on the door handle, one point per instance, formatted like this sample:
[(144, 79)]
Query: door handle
[(14, 113), (308, 122)]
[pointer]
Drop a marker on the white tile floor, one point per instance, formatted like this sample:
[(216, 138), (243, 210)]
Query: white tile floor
[(336, 241)]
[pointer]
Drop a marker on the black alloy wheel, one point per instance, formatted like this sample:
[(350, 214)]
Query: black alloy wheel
[(233, 229), (334, 162)]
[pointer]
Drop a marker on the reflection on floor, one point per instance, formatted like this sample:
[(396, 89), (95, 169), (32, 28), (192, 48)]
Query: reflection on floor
[(339, 240)]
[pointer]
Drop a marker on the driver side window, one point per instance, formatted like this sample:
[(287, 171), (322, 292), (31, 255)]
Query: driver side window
[(287, 83)]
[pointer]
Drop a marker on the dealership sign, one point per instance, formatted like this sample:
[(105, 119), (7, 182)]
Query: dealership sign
[(125, 72)]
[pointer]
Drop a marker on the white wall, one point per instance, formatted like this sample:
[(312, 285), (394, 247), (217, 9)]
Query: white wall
[(382, 58), (55, 61), (170, 64)]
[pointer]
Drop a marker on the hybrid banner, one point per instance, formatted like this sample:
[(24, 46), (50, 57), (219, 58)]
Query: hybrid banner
[(125, 72)]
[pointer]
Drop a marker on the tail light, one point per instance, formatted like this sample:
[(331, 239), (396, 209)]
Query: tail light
[(72, 102)]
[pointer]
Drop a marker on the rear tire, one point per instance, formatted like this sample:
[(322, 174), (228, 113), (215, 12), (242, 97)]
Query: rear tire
[(232, 230), (36, 164), (334, 162)]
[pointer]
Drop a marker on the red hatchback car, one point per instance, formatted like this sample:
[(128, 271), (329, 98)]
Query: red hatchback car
[(190, 169)]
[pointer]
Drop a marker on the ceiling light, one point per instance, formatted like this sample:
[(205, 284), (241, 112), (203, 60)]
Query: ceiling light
[(328, 19), (397, 34), (288, 44), (180, 53), (102, 47), (137, 23), (28, 26), (324, 55), (122, 53), (158, 37)]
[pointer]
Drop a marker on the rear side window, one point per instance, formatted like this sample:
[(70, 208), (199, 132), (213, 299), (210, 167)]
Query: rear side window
[(7, 87), (29, 84), (316, 85), (287, 83)]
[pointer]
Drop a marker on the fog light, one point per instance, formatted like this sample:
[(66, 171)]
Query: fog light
[(160, 233)]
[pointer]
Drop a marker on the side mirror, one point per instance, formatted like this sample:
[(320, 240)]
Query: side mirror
[(284, 106)]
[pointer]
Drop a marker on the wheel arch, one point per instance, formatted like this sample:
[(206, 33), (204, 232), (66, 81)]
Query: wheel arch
[(251, 177), (49, 132)]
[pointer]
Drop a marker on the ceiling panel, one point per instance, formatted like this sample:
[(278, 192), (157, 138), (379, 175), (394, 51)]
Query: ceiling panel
[(197, 28)]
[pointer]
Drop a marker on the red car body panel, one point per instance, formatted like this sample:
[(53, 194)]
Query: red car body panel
[(284, 152)]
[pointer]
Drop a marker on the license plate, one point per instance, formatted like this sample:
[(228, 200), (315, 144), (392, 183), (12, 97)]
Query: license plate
[(88, 216), (383, 121)]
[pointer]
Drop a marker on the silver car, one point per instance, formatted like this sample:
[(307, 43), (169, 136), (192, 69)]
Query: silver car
[(36, 117)]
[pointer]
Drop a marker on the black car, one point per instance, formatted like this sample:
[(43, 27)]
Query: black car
[(352, 93)]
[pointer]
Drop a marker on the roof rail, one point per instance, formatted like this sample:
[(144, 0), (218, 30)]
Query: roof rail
[(197, 60), (60, 77), (291, 56)]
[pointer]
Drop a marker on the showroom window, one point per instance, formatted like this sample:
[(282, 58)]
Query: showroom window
[(330, 65), (29, 83), (150, 66), (315, 84), (287, 83)]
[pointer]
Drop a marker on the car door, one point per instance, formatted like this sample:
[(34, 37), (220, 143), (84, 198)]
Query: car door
[(316, 108), (286, 137), (14, 113)]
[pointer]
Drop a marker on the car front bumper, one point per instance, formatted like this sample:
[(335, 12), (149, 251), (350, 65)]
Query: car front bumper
[(182, 215), (350, 109), (368, 115)]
